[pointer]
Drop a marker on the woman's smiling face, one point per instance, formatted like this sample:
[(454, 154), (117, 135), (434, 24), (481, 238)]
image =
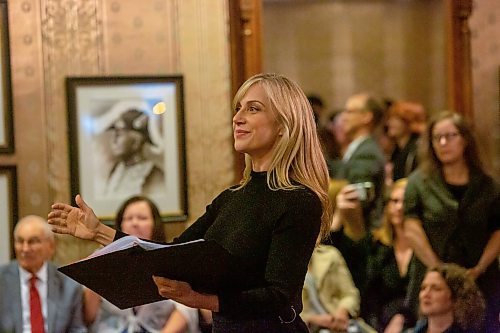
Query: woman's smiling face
[(255, 126)]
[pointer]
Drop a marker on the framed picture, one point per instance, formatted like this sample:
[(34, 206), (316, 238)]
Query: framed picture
[(8, 211), (6, 120), (126, 138)]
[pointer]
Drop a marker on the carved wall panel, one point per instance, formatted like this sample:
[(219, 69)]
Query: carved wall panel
[(28, 101), (53, 39), (71, 33), (140, 37), (204, 60)]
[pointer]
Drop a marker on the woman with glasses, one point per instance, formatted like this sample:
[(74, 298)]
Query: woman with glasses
[(452, 210)]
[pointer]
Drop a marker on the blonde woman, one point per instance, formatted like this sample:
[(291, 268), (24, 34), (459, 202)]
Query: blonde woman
[(383, 258), (271, 220)]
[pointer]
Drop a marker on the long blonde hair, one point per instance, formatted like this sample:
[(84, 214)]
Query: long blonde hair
[(385, 233), (297, 154)]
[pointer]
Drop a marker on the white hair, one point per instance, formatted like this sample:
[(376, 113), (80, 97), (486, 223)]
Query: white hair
[(34, 219)]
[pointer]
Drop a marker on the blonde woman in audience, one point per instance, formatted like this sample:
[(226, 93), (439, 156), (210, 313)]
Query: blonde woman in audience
[(139, 216), (385, 254)]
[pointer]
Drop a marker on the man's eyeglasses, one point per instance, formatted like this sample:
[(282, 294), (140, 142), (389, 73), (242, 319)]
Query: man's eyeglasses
[(437, 138)]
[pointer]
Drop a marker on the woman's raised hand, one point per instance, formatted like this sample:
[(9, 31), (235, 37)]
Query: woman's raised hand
[(78, 221)]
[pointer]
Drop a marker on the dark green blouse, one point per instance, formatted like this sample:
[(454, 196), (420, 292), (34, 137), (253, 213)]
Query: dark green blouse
[(457, 230)]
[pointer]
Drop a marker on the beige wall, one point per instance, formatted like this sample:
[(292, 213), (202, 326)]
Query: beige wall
[(53, 39), (337, 48)]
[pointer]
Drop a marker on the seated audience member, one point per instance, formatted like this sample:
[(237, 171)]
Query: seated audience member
[(405, 122), (329, 296), (452, 211), (450, 302), (387, 269), (139, 216), (363, 161), (34, 296), (385, 254)]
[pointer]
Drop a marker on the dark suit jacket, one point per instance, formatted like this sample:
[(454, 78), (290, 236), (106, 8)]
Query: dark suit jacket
[(64, 302), (366, 165)]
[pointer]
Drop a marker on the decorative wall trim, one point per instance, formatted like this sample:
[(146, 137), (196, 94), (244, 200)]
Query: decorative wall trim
[(6, 109)]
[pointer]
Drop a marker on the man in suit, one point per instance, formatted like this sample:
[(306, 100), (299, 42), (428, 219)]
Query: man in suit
[(363, 160), (34, 296), (362, 163)]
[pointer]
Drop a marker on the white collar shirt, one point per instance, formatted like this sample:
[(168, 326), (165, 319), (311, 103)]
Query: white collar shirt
[(352, 147), (41, 284)]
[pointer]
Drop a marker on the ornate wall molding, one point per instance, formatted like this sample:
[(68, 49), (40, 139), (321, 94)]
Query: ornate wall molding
[(71, 43)]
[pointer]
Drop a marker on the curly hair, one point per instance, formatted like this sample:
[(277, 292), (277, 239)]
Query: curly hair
[(469, 305), (385, 233)]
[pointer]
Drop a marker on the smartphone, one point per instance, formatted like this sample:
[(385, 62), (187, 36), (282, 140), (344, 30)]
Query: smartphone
[(365, 190)]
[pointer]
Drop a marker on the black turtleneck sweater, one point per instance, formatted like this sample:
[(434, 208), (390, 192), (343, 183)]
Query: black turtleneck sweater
[(274, 230)]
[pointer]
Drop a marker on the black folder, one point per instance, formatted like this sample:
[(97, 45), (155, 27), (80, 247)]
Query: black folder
[(124, 277)]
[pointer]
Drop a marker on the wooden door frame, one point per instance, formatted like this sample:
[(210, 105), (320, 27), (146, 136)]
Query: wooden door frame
[(245, 27), (459, 66)]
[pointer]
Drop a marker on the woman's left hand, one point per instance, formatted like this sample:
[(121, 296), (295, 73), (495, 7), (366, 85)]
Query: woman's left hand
[(182, 292), (178, 291)]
